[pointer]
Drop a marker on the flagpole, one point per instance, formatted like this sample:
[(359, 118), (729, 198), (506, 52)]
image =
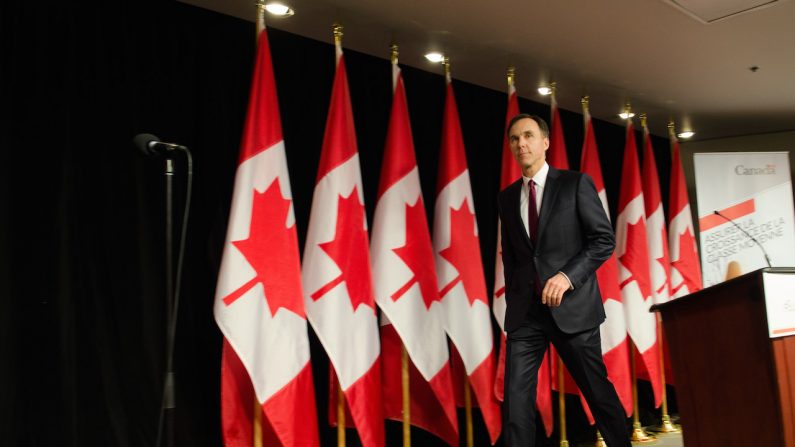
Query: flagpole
[(404, 380), (260, 17), (468, 413), (256, 428), (600, 441), (256, 431), (564, 442), (340, 415), (639, 436), (585, 100), (666, 427), (336, 29), (467, 397), (404, 355)]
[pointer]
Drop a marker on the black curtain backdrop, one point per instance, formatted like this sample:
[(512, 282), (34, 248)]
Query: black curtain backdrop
[(82, 316)]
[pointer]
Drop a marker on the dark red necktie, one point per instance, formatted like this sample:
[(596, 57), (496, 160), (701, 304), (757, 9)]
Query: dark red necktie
[(532, 212)]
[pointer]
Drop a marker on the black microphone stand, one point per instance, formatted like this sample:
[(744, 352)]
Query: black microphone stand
[(169, 403), (167, 420), (150, 145), (764, 252)]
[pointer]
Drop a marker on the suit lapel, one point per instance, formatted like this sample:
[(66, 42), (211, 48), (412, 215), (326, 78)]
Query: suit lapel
[(551, 189)]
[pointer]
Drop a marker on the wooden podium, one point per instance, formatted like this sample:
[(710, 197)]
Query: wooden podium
[(735, 385)]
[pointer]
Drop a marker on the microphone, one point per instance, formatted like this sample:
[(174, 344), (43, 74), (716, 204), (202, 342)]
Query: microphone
[(149, 144), (767, 258)]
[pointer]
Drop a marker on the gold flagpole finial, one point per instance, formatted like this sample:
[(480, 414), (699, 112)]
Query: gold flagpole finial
[(393, 52), (642, 120), (585, 100), (337, 30), (671, 129), (553, 86), (627, 114), (446, 65), (511, 72), (260, 16)]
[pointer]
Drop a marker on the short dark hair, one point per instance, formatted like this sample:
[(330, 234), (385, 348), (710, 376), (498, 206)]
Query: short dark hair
[(540, 121)]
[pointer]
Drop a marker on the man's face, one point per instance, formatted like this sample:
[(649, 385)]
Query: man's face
[(528, 144)]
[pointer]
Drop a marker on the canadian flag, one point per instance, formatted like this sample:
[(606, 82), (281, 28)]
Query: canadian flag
[(406, 286), (459, 269), (258, 300), (685, 265), (633, 262), (613, 332), (509, 173), (338, 289), (558, 158), (656, 235)]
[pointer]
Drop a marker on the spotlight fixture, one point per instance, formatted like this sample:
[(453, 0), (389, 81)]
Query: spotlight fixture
[(686, 134), (435, 57), (545, 90), (279, 9), (626, 115)]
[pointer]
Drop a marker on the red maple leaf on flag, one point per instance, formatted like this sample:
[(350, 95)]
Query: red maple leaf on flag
[(349, 250), (606, 277), (417, 254), (685, 264), (636, 256), (464, 254), (271, 250)]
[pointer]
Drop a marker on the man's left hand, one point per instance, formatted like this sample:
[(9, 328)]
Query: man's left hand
[(552, 295)]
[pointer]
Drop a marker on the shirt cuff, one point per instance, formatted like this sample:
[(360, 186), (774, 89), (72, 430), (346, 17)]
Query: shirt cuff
[(571, 286)]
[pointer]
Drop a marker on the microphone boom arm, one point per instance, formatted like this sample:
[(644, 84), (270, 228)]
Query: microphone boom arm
[(767, 258)]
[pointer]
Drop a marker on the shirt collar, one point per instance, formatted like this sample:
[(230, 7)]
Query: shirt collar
[(540, 178)]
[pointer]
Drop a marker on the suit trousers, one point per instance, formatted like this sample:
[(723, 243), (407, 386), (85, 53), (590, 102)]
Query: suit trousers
[(582, 354)]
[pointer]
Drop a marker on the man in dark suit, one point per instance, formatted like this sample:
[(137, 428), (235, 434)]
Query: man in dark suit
[(555, 234)]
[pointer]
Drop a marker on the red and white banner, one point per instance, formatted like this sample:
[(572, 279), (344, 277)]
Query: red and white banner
[(633, 261), (459, 268), (754, 189), (406, 286), (338, 289), (613, 332), (685, 266), (258, 302)]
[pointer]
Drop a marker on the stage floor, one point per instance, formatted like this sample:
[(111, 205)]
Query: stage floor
[(674, 440)]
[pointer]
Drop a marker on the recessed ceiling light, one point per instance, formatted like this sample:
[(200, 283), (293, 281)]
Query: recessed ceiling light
[(686, 134), (545, 90), (279, 9), (626, 115), (435, 57)]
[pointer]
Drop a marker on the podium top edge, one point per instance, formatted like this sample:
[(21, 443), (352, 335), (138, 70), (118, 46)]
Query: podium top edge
[(727, 283)]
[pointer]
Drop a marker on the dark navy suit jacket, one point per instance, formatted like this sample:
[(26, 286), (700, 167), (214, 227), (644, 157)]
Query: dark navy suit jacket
[(574, 237)]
